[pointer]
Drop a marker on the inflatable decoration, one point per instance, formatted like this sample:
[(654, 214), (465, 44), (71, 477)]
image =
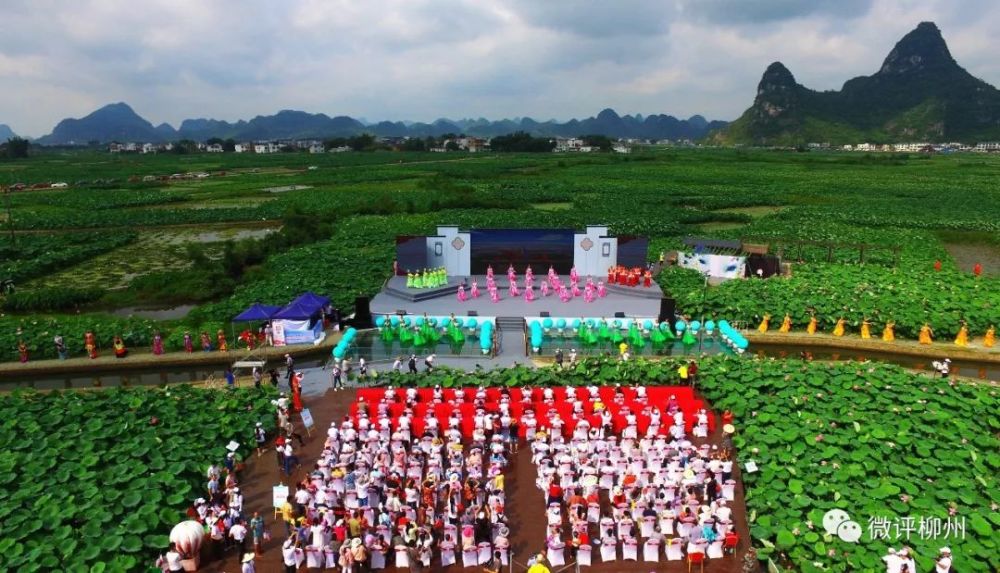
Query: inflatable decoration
[(188, 536)]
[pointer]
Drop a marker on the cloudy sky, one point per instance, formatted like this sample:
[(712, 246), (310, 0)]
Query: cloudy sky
[(424, 59)]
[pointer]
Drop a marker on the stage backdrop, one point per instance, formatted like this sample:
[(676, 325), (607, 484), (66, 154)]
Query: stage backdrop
[(539, 248), (717, 266), (411, 253), (296, 331)]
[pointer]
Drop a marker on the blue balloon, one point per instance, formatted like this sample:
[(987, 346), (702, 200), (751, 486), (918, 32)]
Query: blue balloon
[(576, 323), (561, 323), (591, 322), (432, 321), (679, 326), (407, 321), (710, 325), (664, 326), (459, 322), (445, 321), (648, 325), (695, 325), (472, 323), (380, 321), (547, 323), (420, 321), (394, 320)]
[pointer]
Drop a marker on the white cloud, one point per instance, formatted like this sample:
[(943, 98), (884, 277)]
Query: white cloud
[(424, 59)]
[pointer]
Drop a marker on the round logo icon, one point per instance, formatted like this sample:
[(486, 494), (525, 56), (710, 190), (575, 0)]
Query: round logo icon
[(832, 520), (849, 531)]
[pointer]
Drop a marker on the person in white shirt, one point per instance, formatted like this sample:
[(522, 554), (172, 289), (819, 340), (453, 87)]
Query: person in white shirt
[(943, 564), (397, 366), (248, 564), (239, 534), (173, 559), (289, 555)]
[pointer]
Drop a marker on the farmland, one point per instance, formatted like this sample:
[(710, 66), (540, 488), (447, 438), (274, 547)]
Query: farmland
[(126, 234)]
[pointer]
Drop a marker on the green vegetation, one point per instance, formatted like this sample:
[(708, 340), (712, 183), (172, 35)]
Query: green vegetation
[(227, 240), (94, 481), (871, 439)]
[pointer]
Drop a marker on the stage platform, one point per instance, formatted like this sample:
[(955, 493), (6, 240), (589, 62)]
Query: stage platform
[(632, 301)]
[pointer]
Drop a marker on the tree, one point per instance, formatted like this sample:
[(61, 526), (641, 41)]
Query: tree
[(215, 141), (601, 142), (229, 145), (452, 146), (16, 148), (363, 142), (414, 144), (521, 141)]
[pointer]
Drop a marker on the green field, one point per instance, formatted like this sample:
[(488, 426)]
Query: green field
[(112, 239)]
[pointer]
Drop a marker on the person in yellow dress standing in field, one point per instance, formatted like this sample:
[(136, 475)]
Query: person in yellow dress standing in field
[(990, 339), (889, 333), (764, 324), (811, 327), (786, 324), (926, 334), (838, 330), (962, 339), (866, 329)]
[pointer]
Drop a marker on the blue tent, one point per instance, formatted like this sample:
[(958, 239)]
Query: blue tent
[(312, 298), (298, 311), (257, 311)]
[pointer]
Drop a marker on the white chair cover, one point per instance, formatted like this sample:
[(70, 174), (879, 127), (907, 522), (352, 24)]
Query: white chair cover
[(485, 552), (651, 550), (331, 559), (648, 526), (451, 532), (715, 549), (674, 551), (470, 557), (557, 554), (583, 555), (338, 485), (607, 480), (351, 500), (623, 528), (683, 528), (447, 556), (594, 513), (377, 562), (383, 532), (724, 527), (402, 561), (609, 552), (667, 526), (315, 557), (630, 550), (729, 490)]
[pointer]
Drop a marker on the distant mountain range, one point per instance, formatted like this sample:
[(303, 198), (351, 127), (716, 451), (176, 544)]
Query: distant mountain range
[(6, 132), (119, 122), (919, 94)]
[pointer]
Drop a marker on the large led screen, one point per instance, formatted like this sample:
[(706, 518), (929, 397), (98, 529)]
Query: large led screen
[(632, 251), (411, 253), (539, 248)]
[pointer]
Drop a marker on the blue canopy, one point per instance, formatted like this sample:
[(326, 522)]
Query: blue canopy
[(298, 311), (257, 311), (312, 298)]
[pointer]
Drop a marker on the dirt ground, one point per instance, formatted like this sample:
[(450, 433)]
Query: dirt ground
[(524, 504), (967, 255)]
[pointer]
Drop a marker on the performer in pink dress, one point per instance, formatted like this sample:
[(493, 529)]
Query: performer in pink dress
[(461, 293), (576, 290), (601, 290), (588, 292), (511, 273), (529, 275), (529, 293), (495, 295), (489, 272), (564, 294), (545, 288), (490, 283), (474, 290), (552, 273), (573, 277), (513, 288)]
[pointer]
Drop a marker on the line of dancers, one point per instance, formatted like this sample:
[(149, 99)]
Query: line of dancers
[(551, 285)]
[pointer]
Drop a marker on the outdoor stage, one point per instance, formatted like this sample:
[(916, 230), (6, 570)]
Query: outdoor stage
[(641, 302)]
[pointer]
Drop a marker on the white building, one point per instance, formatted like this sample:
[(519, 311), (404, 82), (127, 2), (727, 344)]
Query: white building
[(268, 147), (214, 148), (317, 148), (987, 147), (241, 148), (621, 148), (148, 148)]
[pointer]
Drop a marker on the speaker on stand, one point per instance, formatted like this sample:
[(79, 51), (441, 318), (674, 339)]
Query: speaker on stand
[(362, 313), (668, 307)]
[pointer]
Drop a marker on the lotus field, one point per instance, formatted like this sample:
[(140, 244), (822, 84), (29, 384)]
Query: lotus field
[(93, 481)]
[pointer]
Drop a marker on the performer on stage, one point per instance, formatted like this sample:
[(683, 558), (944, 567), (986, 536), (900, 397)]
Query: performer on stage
[(963, 335), (545, 288), (926, 334), (564, 294), (576, 289), (529, 293), (220, 336), (514, 292), (765, 323), (90, 343), (461, 293), (838, 329), (811, 328), (647, 279), (602, 291), (866, 329), (158, 343), (409, 280), (188, 342), (511, 273), (22, 350), (489, 272), (786, 324), (474, 290), (529, 275), (588, 292), (495, 295), (573, 277), (888, 333), (990, 339), (119, 346)]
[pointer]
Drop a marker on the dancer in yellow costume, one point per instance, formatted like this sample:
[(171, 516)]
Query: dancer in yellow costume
[(811, 328), (764, 324), (888, 333), (990, 339), (838, 330), (786, 324), (963, 335), (866, 329), (925, 334)]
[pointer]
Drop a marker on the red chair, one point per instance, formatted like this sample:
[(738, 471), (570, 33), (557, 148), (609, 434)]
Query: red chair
[(696, 557), (730, 542)]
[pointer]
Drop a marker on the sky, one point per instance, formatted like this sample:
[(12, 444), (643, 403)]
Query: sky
[(420, 60)]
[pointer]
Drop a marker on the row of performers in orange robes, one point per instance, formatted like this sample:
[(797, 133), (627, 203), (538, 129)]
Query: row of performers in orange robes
[(926, 335), (629, 277)]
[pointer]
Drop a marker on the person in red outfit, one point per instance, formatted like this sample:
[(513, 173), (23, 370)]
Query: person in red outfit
[(977, 270), (937, 265)]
